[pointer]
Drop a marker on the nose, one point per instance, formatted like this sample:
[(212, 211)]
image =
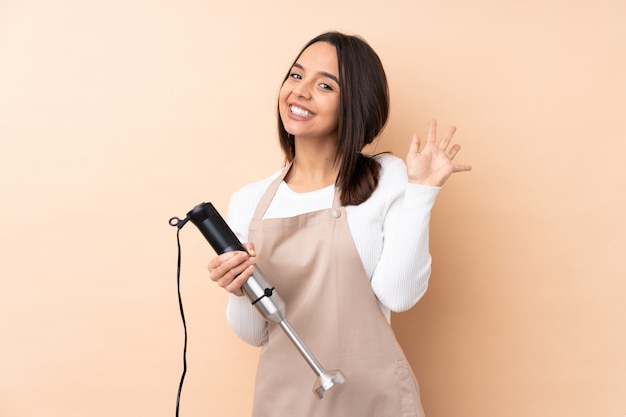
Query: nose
[(302, 89)]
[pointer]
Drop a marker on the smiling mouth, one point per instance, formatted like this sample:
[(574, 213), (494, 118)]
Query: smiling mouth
[(300, 112)]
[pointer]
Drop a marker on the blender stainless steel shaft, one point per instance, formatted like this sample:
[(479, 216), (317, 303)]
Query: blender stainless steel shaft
[(263, 296)]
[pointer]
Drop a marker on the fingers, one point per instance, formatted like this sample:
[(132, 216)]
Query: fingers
[(445, 141), (231, 270), (430, 163), (462, 167), (415, 144), (457, 167), (431, 135), (453, 151)]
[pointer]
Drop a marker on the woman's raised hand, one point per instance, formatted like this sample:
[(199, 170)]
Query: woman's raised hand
[(230, 270), (432, 164)]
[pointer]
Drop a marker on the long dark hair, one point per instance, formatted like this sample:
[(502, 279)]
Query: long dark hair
[(364, 109)]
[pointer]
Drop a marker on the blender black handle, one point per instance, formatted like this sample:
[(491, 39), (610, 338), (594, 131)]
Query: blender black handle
[(214, 228)]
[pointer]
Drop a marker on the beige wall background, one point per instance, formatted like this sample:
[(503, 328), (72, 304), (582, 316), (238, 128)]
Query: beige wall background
[(117, 115)]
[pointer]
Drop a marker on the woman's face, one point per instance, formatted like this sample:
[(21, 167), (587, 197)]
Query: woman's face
[(308, 102)]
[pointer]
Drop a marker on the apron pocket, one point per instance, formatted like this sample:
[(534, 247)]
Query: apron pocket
[(410, 403)]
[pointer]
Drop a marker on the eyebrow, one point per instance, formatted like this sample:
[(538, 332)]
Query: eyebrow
[(324, 73)]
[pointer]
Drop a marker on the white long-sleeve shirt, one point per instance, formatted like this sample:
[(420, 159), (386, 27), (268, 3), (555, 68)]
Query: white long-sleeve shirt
[(390, 231)]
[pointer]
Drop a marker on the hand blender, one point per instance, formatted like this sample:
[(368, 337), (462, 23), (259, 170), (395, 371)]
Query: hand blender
[(264, 298)]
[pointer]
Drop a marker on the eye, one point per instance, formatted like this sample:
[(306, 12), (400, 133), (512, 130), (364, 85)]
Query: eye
[(295, 76), (325, 86)]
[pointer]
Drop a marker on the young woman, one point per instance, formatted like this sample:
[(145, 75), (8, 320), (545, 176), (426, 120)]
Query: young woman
[(343, 237)]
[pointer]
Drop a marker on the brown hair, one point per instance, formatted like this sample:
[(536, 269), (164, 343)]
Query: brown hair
[(364, 109)]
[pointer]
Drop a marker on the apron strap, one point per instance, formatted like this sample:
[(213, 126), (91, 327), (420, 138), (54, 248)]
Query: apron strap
[(265, 201)]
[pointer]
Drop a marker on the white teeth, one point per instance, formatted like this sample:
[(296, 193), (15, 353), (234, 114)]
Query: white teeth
[(300, 112)]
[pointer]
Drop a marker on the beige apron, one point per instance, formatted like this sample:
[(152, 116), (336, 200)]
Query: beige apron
[(314, 265)]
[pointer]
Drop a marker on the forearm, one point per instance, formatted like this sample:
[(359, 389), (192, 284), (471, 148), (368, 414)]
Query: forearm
[(402, 273), (245, 321)]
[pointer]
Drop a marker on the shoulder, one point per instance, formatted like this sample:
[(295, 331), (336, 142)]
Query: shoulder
[(392, 182), (243, 202), (392, 168), (255, 189)]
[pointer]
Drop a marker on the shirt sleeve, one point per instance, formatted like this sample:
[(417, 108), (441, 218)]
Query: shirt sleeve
[(401, 275)]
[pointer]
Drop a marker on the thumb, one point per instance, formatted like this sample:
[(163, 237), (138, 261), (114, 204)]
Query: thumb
[(250, 248)]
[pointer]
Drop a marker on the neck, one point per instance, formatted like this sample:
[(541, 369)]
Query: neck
[(313, 167)]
